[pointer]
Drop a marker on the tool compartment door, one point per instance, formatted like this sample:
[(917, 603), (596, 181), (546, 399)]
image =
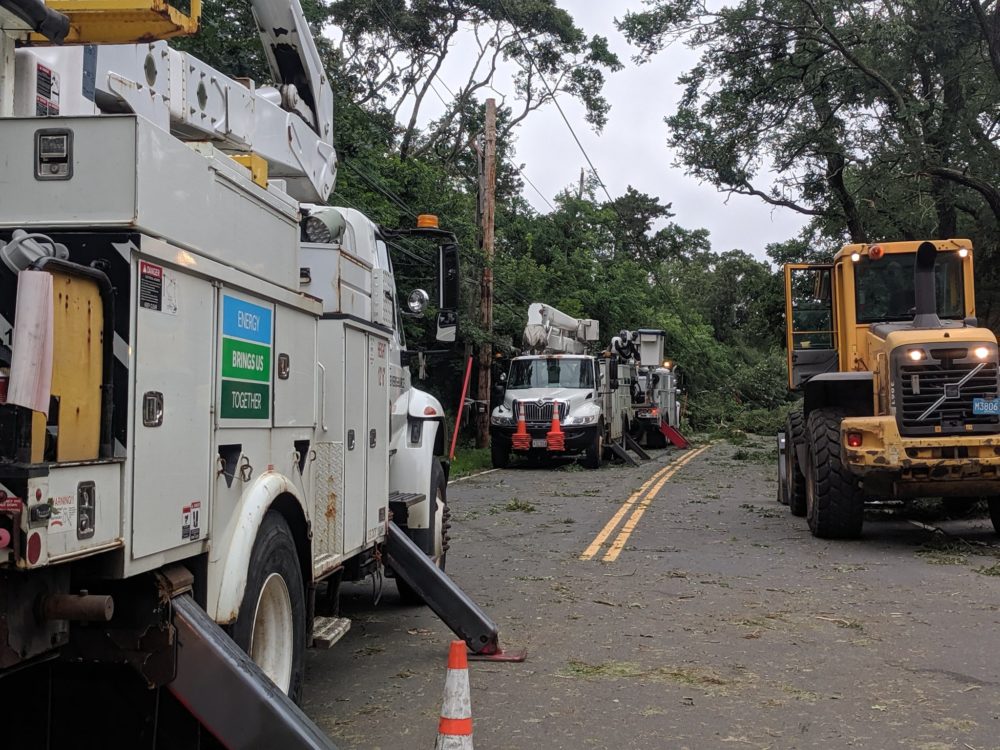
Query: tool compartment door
[(809, 321), (377, 443), (355, 436), (174, 357)]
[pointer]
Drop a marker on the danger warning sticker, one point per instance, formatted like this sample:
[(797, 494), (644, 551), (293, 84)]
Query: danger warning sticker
[(150, 286)]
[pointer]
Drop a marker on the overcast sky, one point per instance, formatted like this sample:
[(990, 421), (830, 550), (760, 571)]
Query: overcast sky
[(632, 148)]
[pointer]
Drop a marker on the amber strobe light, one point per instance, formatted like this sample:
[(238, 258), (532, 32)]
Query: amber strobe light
[(875, 252), (427, 221)]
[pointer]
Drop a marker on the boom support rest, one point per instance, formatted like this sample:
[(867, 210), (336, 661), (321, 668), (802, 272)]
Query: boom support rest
[(229, 694)]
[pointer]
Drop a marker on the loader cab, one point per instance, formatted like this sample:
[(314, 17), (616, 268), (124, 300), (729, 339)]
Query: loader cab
[(829, 307)]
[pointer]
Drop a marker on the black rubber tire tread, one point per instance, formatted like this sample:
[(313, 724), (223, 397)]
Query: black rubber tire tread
[(960, 507), (595, 449), (439, 487), (994, 506), (837, 507), (795, 478), (499, 454), (656, 439), (274, 552)]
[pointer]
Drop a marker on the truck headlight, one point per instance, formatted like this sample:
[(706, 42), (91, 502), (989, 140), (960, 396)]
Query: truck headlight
[(581, 420), (502, 419), (981, 352)]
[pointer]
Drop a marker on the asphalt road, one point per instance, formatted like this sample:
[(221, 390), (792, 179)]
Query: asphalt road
[(706, 617)]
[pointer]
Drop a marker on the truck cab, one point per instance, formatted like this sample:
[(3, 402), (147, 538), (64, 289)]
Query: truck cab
[(540, 388)]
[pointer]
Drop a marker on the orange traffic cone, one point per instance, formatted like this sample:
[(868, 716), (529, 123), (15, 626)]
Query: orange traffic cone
[(555, 437), (521, 440), (455, 727)]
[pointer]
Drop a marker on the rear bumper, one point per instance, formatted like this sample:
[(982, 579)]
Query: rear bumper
[(577, 438), (947, 465)]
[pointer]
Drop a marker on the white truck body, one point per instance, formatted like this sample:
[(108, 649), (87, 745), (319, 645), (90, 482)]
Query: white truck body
[(250, 372)]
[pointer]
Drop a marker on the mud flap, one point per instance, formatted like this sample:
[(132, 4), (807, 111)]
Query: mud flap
[(452, 605), (229, 694)]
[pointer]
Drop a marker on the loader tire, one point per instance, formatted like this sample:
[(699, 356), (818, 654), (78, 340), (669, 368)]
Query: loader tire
[(994, 505), (441, 523), (835, 506), (271, 624), (795, 479)]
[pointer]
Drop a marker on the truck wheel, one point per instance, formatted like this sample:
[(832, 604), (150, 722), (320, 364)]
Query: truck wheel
[(795, 480), (499, 454), (655, 438), (835, 507), (441, 524), (994, 504), (595, 449), (271, 624)]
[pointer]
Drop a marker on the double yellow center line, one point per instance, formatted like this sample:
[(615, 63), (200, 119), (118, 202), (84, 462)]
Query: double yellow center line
[(638, 507)]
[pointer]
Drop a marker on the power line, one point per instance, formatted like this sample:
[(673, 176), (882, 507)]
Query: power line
[(540, 193), (532, 63)]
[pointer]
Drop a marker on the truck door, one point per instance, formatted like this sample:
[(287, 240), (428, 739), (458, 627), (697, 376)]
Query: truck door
[(809, 321)]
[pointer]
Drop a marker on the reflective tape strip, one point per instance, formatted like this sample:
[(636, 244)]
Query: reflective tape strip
[(455, 727)]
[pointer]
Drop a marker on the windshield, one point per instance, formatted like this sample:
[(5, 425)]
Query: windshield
[(551, 372), (884, 287)]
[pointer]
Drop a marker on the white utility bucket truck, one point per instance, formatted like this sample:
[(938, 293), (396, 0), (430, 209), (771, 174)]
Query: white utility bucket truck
[(551, 402), (205, 410)]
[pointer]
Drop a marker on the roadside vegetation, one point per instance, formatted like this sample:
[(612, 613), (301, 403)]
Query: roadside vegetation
[(878, 118)]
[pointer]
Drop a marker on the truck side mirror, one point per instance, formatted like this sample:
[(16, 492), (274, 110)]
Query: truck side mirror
[(449, 284)]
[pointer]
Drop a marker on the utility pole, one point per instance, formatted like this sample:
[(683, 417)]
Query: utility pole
[(579, 194), (486, 290)]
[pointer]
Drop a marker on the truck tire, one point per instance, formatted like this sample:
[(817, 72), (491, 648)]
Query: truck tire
[(595, 449), (441, 524), (499, 454), (795, 479), (994, 505), (835, 506), (271, 624), (655, 438)]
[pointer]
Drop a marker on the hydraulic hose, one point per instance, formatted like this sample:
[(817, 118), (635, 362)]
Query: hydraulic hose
[(49, 23)]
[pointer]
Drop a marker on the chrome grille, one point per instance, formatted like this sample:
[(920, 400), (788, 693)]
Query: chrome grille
[(920, 385), (539, 413)]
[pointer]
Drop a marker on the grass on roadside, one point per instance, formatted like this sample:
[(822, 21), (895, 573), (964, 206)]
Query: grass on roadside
[(469, 461)]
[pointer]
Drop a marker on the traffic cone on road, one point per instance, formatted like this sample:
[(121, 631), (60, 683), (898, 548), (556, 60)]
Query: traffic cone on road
[(521, 440), (455, 727), (555, 438)]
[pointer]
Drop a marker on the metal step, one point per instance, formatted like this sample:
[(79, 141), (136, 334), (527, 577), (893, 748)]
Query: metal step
[(329, 630)]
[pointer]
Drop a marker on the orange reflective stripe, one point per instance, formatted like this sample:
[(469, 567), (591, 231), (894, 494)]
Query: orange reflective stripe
[(455, 727)]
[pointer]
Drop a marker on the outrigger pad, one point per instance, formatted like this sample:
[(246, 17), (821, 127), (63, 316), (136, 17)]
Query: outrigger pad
[(502, 655)]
